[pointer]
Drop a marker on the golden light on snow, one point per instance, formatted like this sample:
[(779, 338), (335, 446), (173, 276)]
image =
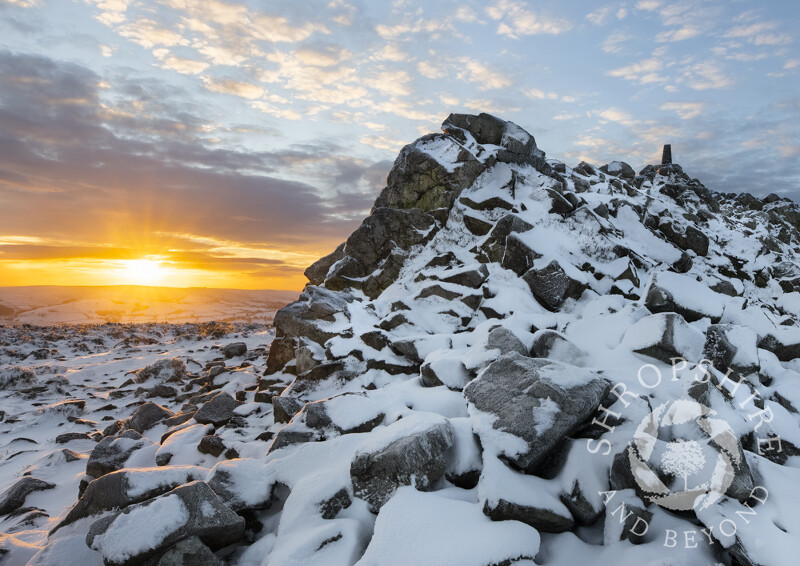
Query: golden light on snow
[(141, 272)]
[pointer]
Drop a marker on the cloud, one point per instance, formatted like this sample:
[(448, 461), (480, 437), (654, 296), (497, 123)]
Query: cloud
[(539, 94), (516, 20), (616, 115), (646, 71), (685, 110), (431, 70), (76, 168), (237, 88), (613, 43), (706, 76), (482, 75)]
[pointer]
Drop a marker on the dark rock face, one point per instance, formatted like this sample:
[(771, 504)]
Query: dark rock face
[(318, 271), (552, 286), (14, 496), (197, 512), (416, 459), (417, 180), (514, 387), (285, 408), (218, 411)]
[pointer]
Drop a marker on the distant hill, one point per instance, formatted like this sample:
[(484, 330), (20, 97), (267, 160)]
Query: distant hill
[(46, 305)]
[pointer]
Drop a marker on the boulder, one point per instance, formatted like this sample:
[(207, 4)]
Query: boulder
[(419, 180), (111, 453), (410, 451), (284, 408), (318, 271), (664, 336), (619, 169), (682, 294), (192, 510), (218, 410), (501, 338), (234, 349), (560, 397), (189, 552), (117, 490), (556, 346), (552, 286), (147, 416), (164, 370), (14, 497)]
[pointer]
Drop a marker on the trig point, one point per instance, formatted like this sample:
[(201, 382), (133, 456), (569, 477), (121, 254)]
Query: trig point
[(666, 156)]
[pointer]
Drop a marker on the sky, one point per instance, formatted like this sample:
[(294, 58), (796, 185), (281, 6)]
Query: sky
[(230, 143)]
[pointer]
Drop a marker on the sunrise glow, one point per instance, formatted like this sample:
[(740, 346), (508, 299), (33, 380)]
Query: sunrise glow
[(142, 272)]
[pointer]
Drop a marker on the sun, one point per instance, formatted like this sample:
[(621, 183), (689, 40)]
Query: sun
[(142, 271)]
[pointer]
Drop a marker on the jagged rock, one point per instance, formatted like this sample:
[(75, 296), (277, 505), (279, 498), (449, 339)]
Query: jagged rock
[(514, 387), (347, 413), (166, 370), (626, 518), (234, 349), (411, 451), (672, 292), (14, 497), (189, 552), (218, 410), (117, 490), (785, 350), (619, 169), (147, 416), (506, 341), (419, 180), (664, 336), (70, 436), (284, 408), (517, 145), (731, 347), (552, 286), (494, 246), (211, 444), (472, 278), (318, 271), (556, 346), (443, 368), (111, 453), (193, 510), (542, 519), (690, 239)]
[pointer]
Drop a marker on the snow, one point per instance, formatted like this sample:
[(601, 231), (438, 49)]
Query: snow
[(690, 293), (133, 533), (415, 423), (412, 526)]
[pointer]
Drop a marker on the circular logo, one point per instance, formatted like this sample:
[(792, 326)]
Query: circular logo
[(682, 457)]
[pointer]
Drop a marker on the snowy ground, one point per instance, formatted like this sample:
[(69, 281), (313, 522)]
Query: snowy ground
[(58, 380)]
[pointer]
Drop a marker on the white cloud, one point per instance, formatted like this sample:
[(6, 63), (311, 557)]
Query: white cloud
[(646, 71), (382, 142), (539, 94), (685, 110), (648, 5), (183, 66), (249, 91), (430, 70), (482, 75), (107, 50), (390, 52), (466, 14), (484, 105), (566, 116), (680, 34), (613, 43), (448, 100), (394, 82), (516, 20), (760, 33), (616, 115), (706, 76), (600, 16)]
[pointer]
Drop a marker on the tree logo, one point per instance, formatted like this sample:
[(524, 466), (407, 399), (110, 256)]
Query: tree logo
[(683, 457)]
